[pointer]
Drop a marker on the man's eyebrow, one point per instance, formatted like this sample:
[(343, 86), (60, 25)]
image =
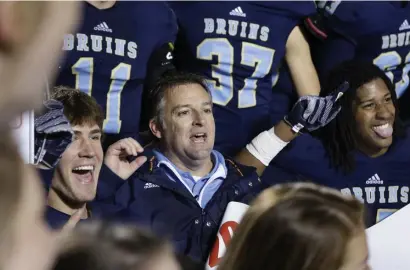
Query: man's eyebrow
[(92, 132), (366, 100), (96, 131), (178, 107)]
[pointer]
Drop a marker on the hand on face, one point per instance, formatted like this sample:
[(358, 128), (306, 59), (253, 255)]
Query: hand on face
[(53, 134), (116, 157)]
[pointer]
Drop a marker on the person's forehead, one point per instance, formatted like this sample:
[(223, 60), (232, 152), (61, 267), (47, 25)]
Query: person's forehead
[(86, 127), (376, 86), (188, 91)]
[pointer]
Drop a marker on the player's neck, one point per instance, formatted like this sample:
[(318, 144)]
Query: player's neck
[(56, 202), (198, 168), (102, 4), (374, 153)]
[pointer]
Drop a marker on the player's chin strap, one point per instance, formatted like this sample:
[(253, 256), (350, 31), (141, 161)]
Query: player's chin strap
[(266, 146)]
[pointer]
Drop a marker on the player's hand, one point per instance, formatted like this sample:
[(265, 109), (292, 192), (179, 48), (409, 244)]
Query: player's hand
[(53, 134), (72, 222), (312, 112), (63, 233), (116, 157)]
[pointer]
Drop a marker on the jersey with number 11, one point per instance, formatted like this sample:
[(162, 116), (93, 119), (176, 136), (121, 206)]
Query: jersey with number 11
[(107, 57)]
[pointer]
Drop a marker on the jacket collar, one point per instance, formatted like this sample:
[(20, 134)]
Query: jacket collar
[(152, 173)]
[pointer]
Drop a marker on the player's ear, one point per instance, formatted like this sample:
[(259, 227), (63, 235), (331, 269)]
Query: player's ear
[(155, 128)]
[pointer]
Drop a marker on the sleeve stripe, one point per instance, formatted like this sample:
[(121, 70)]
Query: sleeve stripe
[(171, 45), (313, 27)]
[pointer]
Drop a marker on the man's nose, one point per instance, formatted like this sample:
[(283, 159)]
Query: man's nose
[(87, 149), (199, 119)]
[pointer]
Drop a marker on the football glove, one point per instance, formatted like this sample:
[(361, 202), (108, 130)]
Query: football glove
[(53, 134), (312, 112)]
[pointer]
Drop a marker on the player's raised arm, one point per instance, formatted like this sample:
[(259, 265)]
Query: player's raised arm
[(264, 147), (300, 64), (308, 114)]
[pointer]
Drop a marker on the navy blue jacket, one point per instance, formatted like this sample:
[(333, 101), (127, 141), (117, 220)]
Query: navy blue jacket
[(151, 199)]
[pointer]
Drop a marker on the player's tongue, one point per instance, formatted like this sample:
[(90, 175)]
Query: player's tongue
[(384, 131), (84, 173)]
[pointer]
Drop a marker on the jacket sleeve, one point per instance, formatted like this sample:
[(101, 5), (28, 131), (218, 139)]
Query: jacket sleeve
[(108, 183)]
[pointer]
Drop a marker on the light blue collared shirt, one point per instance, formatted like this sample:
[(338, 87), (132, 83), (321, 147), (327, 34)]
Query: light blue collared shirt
[(202, 189)]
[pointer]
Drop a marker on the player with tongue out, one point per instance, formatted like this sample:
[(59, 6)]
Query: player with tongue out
[(364, 151)]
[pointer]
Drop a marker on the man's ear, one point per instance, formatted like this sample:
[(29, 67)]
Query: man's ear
[(155, 128)]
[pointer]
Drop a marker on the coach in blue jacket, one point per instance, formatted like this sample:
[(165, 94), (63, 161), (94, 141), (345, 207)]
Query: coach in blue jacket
[(184, 187)]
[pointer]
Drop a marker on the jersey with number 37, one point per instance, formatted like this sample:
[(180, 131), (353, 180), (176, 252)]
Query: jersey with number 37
[(238, 47), (107, 57)]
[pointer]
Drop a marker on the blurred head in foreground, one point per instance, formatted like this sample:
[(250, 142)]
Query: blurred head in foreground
[(104, 246), (25, 240), (299, 226), (31, 39)]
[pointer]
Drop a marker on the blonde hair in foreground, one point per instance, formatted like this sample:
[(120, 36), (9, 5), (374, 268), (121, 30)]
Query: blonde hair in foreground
[(298, 226)]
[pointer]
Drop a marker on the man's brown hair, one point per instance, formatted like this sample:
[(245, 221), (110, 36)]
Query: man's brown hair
[(79, 107)]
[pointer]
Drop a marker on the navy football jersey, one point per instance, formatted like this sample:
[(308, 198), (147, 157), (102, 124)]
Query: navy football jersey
[(108, 57), (378, 32), (382, 183), (56, 219), (284, 93), (238, 47)]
